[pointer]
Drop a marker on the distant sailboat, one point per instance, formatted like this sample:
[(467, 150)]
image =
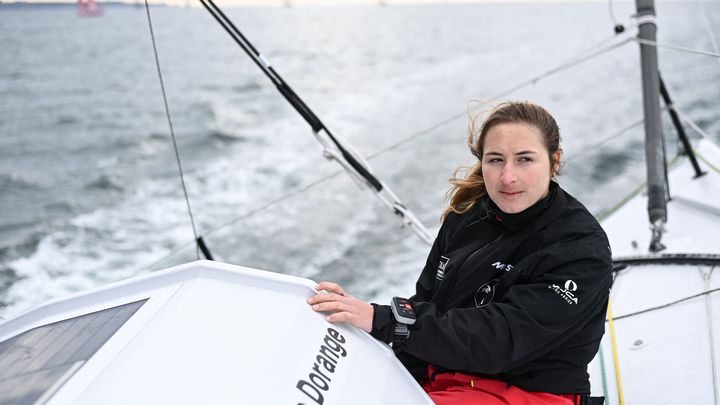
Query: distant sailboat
[(89, 9)]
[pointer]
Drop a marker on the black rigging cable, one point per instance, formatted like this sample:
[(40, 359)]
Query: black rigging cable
[(687, 259), (277, 80), (199, 243), (563, 66), (669, 304), (287, 91), (679, 128), (333, 148), (411, 138)]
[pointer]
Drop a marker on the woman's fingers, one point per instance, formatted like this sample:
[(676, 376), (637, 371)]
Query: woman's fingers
[(330, 287), (342, 307), (326, 297), (331, 306), (360, 316), (336, 317)]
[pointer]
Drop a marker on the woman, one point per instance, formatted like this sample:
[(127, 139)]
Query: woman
[(510, 307)]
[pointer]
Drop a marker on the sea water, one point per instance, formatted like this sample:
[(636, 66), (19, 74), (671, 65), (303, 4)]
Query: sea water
[(89, 185)]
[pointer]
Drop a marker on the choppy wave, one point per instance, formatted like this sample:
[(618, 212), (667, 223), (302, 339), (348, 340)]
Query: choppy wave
[(12, 226), (105, 183), (247, 87), (226, 137), (67, 120), (14, 183), (118, 208), (19, 239)]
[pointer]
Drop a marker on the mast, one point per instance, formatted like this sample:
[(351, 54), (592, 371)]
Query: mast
[(654, 151)]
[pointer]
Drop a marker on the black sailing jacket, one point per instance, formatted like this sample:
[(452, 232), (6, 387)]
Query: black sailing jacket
[(516, 297)]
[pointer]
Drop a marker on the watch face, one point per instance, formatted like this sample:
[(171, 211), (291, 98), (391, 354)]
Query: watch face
[(403, 310), (485, 294), (406, 308)]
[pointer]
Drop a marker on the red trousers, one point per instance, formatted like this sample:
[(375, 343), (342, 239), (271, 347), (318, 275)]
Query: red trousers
[(463, 389)]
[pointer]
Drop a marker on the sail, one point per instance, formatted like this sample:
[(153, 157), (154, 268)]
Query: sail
[(89, 9)]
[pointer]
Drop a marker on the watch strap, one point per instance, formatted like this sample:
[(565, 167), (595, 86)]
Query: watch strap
[(402, 332)]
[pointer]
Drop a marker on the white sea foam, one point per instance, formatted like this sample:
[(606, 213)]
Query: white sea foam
[(396, 73)]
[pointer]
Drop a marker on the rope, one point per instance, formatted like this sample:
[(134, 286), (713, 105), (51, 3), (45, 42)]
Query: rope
[(424, 132), (692, 123), (612, 13), (250, 213), (702, 133), (710, 32), (708, 310), (606, 392), (616, 361), (669, 304), (675, 47), (172, 132), (708, 306), (707, 162), (561, 67), (604, 215), (594, 147), (403, 141), (633, 193), (418, 135), (337, 149)]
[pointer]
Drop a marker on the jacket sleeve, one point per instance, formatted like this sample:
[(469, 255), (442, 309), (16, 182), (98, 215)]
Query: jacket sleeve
[(565, 290), (383, 327), (425, 285)]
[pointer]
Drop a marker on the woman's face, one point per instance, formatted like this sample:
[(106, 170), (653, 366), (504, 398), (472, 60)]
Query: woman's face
[(515, 166)]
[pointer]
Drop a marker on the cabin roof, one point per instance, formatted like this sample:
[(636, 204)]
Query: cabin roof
[(201, 332)]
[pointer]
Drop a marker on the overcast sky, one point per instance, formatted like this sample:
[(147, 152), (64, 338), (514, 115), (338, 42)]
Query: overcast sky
[(306, 2), (230, 3)]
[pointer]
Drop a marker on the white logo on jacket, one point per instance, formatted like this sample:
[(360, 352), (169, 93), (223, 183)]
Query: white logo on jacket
[(485, 294), (441, 267), (567, 292), (502, 266)]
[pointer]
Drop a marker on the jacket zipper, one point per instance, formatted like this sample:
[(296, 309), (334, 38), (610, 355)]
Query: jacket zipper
[(448, 281)]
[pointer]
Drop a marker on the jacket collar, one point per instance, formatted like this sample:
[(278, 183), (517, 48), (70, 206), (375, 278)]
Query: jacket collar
[(551, 206)]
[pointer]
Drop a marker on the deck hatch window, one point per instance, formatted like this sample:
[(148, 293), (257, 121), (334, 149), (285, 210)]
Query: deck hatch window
[(35, 364)]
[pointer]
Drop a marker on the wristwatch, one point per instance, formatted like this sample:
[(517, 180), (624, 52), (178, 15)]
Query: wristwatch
[(404, 314)]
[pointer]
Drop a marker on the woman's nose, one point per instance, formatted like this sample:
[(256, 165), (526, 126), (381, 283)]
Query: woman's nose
[(508, 175)]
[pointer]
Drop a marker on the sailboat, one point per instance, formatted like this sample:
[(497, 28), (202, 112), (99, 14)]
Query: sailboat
[(661, 345), (661, 340), (89, 9), (214, 332)]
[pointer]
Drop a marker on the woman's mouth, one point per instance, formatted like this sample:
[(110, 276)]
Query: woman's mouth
[(510, 193)]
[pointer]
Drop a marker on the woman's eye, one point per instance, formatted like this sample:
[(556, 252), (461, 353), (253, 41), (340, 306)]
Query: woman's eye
[(494, 160), (525, 159)]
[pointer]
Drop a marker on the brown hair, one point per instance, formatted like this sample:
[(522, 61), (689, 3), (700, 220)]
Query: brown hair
[(468, 184)]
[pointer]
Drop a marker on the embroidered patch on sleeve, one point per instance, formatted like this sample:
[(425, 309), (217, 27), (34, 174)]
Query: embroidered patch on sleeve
[(567, 292), (441, 268)]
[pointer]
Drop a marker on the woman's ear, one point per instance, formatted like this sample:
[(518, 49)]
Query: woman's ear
[(557, 157)]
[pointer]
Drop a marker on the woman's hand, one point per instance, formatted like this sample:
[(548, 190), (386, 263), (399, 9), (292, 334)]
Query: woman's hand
[(342, 307)]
